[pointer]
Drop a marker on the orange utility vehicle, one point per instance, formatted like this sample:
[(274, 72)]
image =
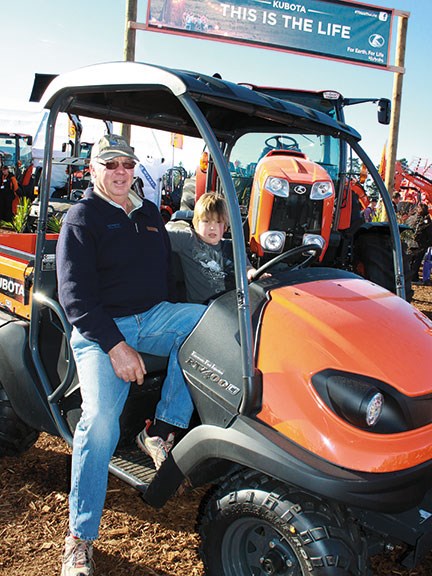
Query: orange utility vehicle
[(316, 452)]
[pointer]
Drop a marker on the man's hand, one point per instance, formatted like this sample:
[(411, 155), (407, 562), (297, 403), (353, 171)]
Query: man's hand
[(127, 363)]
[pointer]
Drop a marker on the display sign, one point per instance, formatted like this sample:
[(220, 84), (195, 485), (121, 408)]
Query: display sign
[(338, 29)]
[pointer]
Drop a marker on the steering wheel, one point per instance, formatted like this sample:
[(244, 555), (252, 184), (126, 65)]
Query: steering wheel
[(310, 253), (282, 142)]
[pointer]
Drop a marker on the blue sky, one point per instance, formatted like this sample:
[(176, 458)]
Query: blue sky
[(54, 36)]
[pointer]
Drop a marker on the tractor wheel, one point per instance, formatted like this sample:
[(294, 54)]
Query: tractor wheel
[(253, 524), (373, 259), (15, 436)]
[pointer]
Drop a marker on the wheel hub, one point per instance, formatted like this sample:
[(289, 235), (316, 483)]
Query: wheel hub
[(273, 562)]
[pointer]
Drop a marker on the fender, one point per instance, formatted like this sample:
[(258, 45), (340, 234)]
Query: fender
[(252, 444)]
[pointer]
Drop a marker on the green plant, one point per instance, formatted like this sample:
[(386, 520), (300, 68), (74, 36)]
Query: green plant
[(54, 223), (19, 221)]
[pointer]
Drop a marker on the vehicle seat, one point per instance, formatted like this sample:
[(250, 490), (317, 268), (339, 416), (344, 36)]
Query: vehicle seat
[(183, 215)]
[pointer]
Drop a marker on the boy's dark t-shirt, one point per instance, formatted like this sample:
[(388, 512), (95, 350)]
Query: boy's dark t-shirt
[(208, 269)]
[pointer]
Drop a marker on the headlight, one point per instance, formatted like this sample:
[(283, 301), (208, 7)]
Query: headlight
[(272, 241), (313, 239), (321, 190), (277, 186), (374, 408), (351, 397)]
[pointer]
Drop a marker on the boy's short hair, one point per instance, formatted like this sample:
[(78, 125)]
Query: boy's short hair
[(210, 205)]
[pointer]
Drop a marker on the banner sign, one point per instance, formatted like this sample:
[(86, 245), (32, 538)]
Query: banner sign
[(342, 30)]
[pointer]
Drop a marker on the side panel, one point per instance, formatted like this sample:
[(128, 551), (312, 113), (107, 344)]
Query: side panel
[(18, 376), (12, 287)]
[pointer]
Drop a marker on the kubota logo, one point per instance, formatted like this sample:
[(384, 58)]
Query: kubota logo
[(376, 40), (299, 189), (12, 287)]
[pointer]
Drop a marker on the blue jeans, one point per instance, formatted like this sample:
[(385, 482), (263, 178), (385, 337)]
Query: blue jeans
[(159, 331)]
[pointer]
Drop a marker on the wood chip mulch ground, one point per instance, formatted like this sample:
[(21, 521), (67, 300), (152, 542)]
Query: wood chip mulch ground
[(136, 540)]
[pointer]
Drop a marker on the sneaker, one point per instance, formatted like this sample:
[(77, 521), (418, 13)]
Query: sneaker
[(78, 557), (154, 446)]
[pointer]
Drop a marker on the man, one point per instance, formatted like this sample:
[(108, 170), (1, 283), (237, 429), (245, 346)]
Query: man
[(396, 198), (113, 262), (8, 194), (370, 211)]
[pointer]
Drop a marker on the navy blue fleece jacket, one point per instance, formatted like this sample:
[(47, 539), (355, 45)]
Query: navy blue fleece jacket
[(111, 265)]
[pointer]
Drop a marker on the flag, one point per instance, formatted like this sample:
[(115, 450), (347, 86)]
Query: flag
[(176, 140), (71, 130), (382, 166)]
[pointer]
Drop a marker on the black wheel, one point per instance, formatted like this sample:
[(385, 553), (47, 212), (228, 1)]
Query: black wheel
[(254, 525), (373, 259), (15, 436)]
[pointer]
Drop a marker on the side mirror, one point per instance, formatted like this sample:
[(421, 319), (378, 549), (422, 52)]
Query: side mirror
[(384, 111)]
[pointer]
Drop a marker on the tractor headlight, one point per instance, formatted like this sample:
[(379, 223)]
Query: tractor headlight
[(277, 186), (272, 241), (313, 239), (321, 190), (353, 398)]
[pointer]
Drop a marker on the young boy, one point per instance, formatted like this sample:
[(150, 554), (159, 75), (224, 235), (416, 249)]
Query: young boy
[(208, 267), (206, 257)]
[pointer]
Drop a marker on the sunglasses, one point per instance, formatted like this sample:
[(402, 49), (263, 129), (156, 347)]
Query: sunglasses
[(114, 164)]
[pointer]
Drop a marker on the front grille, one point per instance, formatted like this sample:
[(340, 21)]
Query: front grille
[(296, 215)]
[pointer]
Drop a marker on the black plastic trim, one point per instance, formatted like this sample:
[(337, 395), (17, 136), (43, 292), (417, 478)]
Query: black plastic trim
[(400, 413), (252, 444)]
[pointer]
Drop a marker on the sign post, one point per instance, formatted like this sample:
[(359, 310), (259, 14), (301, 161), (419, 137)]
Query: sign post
[(396, 104), (129, 49)]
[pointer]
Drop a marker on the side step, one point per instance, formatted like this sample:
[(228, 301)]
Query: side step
[(133, 467)]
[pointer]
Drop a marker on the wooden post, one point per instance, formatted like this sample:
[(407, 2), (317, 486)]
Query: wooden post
[(129, 49), (396, 101)]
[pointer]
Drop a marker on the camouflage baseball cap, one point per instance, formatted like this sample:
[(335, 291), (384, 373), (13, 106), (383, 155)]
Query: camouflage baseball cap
[(110, 146)]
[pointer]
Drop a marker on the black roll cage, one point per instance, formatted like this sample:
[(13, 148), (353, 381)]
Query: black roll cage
[(195, 105)]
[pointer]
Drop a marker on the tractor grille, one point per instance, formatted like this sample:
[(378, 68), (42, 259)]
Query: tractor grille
[(296, 215)]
